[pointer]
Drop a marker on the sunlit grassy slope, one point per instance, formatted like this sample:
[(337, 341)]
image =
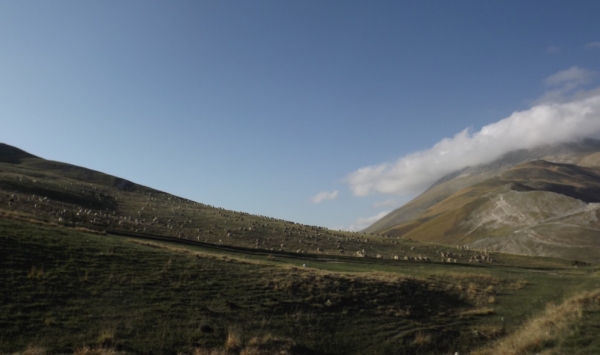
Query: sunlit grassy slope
[(95, 263)]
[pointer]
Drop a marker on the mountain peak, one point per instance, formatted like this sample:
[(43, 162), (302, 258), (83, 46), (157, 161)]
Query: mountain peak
[(532, 188)]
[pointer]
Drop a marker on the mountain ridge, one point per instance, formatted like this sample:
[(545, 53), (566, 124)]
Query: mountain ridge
[(68, 196), (555, 175)]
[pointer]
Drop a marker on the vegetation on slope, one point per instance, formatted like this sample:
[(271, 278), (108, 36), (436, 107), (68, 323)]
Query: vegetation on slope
[(63, 195), (178, 277)]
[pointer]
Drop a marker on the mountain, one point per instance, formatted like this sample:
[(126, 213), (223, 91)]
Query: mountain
[(79, 245), (68, 196), (544, 201)]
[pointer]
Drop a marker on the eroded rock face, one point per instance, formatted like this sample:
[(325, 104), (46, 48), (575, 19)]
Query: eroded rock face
[(525, 209), (537, 223)]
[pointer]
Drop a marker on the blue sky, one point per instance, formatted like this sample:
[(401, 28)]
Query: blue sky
[(260, 106)]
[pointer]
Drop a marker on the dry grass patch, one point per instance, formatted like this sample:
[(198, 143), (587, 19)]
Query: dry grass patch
[(233, 342), (267, 344), (33, 350), (479, 289), (542, 332), (95, 351), (491, 290), (484, 311), (489, 331), (106, 337), (518, 285), (35, 273), (422, 338)]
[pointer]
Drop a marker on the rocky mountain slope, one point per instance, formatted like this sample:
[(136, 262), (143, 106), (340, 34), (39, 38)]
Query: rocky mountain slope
[(544, 201)]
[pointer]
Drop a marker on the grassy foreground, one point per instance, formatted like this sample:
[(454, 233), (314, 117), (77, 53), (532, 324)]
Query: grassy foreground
[(65, 291)]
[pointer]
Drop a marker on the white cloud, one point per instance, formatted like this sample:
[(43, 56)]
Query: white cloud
[(564, 82), (573, 75), (363, 222), (593, 45), (322, 196), (552, 49), (545, 123)]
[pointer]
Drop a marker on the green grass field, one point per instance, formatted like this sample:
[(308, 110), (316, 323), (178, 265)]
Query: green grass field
[(64, 290)]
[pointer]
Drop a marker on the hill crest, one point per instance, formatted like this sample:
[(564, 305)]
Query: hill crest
[(13, 155)]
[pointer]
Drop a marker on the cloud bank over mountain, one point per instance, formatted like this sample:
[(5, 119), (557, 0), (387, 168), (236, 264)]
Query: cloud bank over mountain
[(565, 113)]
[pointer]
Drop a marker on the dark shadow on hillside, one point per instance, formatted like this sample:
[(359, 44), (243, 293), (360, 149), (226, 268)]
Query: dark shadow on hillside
[(86, 199), (412, 299), (587, 195), (12, 155)]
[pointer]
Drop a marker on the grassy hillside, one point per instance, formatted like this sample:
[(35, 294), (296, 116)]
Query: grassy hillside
[(62, 195), (94, 264)]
